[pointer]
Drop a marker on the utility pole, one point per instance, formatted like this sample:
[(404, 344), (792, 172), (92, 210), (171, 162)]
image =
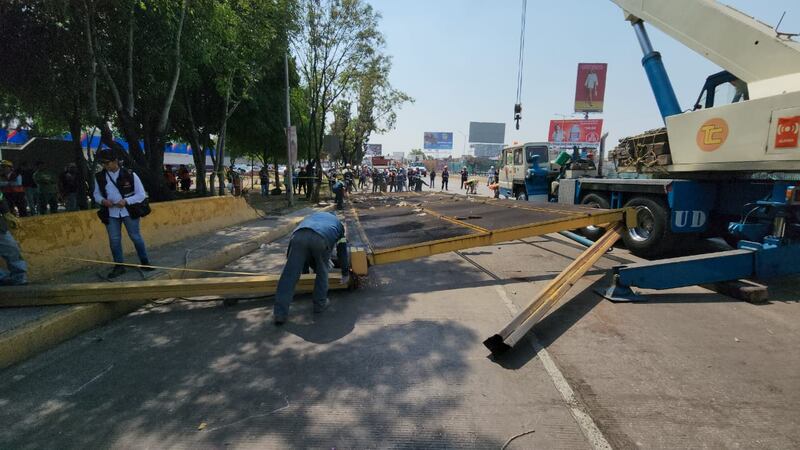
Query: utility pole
[(289, 169)]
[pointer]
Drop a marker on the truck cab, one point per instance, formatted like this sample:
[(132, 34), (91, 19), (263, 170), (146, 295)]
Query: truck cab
[(525, 171)]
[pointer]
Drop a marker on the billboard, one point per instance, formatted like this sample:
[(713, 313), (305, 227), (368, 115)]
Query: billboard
[(590, 87), (487, 132), (374, 150), (575, 131), (438, 140)]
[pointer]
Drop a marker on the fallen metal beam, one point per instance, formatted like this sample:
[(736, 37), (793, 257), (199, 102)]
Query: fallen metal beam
[(65, 294), (481, 239), (522, 323)]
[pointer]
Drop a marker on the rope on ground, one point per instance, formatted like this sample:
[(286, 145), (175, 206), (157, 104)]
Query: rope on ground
[(515, 437), (142, 266)]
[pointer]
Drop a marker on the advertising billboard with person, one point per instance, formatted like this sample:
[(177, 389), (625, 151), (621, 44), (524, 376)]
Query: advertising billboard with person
[(590, 87), (575, 131)]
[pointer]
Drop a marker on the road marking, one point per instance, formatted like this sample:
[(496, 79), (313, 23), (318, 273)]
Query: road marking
[(576, 408)]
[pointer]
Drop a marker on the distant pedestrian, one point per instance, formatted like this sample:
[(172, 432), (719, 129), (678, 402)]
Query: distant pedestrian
[(121, 195), (464, 176), (12, 188), (17, 273), (31, 188), (263, 177), (68, 186), (185, 178), (170, 178), (302, 180), (433, 178), (339, 189), (48, 188), (445, 178), (311, 245)]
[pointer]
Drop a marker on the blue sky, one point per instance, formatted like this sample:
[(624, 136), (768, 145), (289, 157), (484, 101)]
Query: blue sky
[(458, 59)]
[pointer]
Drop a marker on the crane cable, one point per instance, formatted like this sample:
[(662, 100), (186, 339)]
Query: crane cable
[(520, 64)]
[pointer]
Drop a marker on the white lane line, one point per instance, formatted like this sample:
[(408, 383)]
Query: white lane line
[(576, 408)]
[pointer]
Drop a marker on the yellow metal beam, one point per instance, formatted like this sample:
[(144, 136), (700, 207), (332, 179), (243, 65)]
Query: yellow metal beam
[(522, 323), (481, 239), (63, 294)]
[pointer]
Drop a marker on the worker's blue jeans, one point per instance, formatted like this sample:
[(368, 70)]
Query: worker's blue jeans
[(265, 188), (306, 248), (9, 251), (114, 229)]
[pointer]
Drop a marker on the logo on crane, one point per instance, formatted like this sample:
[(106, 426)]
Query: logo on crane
[(712, 134), (788, 132)]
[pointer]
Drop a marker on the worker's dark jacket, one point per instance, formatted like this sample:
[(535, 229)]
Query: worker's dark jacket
[(124, 182)]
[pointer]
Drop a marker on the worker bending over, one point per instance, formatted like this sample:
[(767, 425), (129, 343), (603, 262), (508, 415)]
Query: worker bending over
[(312, 244)]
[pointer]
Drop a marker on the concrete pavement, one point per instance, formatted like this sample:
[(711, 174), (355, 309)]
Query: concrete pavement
[(400, 364)]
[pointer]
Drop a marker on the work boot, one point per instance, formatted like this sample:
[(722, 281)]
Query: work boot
[(116, 272), (280, 320), (147, 269), (318, 308)]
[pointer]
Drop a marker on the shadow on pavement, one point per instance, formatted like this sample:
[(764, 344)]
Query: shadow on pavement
[(203, 375)]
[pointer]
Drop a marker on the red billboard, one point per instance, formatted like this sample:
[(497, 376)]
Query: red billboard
[(590, 87), (575, 131)]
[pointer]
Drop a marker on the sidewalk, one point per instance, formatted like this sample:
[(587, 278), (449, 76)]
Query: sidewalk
[(27, 331)]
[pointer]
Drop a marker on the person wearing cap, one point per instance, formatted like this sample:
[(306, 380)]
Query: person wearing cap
[(115, 188), (312, 244), (12, 188), (17, 273)]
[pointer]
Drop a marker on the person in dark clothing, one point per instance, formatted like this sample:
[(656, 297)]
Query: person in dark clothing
[(445, 179), (464, 176), (301, 180), (48, 188), (312, 244), (433, 178), (31, 189), (68, 186), (185, 178), (12, 189), (17, 273)]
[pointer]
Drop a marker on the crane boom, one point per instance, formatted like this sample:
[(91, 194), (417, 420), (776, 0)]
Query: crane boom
[(747, 48)]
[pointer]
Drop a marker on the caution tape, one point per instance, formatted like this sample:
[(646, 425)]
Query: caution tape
[(142, 266)]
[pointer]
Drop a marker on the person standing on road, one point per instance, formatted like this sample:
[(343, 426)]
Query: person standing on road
[(121, 195), (445, 178), (464, 176), (433, 178), (17, 273), (312, 244)]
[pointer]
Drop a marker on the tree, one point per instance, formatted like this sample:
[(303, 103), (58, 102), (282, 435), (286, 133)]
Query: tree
[(141, 99), (244, 40), (335, 39), (43, 73), (377, 104)]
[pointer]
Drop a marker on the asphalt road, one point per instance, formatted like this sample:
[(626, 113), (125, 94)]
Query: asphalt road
[(400, 364)]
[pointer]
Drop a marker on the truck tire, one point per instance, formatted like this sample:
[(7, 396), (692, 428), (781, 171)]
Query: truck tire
[(595, 201), (522, 196), (652, 237)]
